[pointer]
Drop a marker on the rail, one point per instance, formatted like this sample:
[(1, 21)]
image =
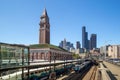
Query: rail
[(92, 77), (91, 74), (78, 75), (103, 71)]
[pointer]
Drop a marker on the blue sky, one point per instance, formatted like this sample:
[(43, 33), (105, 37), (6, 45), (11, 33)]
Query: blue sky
[(19, 20)]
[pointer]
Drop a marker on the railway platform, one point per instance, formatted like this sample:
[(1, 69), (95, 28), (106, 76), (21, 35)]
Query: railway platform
[(104, 71)]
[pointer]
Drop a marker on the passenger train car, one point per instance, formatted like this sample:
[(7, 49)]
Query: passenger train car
[(84, 66)]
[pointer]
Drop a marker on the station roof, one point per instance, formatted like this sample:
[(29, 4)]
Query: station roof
[(15, 45), (35, 46)]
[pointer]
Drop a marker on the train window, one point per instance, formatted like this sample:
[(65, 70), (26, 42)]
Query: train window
[(32, 73)]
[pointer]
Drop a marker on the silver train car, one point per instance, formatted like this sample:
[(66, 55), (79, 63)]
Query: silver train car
[(80, 67)]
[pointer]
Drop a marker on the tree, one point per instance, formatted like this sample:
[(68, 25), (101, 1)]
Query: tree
[(75, 56)]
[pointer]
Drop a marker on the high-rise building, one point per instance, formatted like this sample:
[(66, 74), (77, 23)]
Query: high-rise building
[(44, 33), (61, 44), (78, 45), (89, 44), (93, 41), (86, 41), (66, 45), (84, 38)]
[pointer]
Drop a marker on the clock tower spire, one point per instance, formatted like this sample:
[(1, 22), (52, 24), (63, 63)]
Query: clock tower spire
[(44, 32)]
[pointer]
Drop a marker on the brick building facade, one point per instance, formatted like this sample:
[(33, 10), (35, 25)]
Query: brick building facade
[(48, 52)]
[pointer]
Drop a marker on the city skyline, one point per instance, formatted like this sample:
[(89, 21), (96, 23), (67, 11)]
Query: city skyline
[(20, 20)]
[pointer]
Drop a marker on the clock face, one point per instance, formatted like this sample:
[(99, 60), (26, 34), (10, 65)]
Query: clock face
[(43, 20)]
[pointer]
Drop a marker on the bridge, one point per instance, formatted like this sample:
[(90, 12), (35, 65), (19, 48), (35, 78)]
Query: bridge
[(62, 71)]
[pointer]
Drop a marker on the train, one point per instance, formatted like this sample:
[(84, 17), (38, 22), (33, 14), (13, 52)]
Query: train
[(83, 66), (48, 74), (78, 68)]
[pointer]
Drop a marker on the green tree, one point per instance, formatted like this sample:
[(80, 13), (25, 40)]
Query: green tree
[(75, 56)]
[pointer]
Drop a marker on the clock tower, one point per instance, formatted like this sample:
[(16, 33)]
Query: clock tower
[(44, 32)]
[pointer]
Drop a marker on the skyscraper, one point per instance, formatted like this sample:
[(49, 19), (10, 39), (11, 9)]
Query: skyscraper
[(44, 33), (66, 45), (93, 41), (84, 38), (61, 44), (86, 41), (78, 46)]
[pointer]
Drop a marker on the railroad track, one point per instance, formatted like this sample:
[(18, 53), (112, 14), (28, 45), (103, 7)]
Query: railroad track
[(88, 74), (87, 71), (92, 77), (77, 76), (73, 76)]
